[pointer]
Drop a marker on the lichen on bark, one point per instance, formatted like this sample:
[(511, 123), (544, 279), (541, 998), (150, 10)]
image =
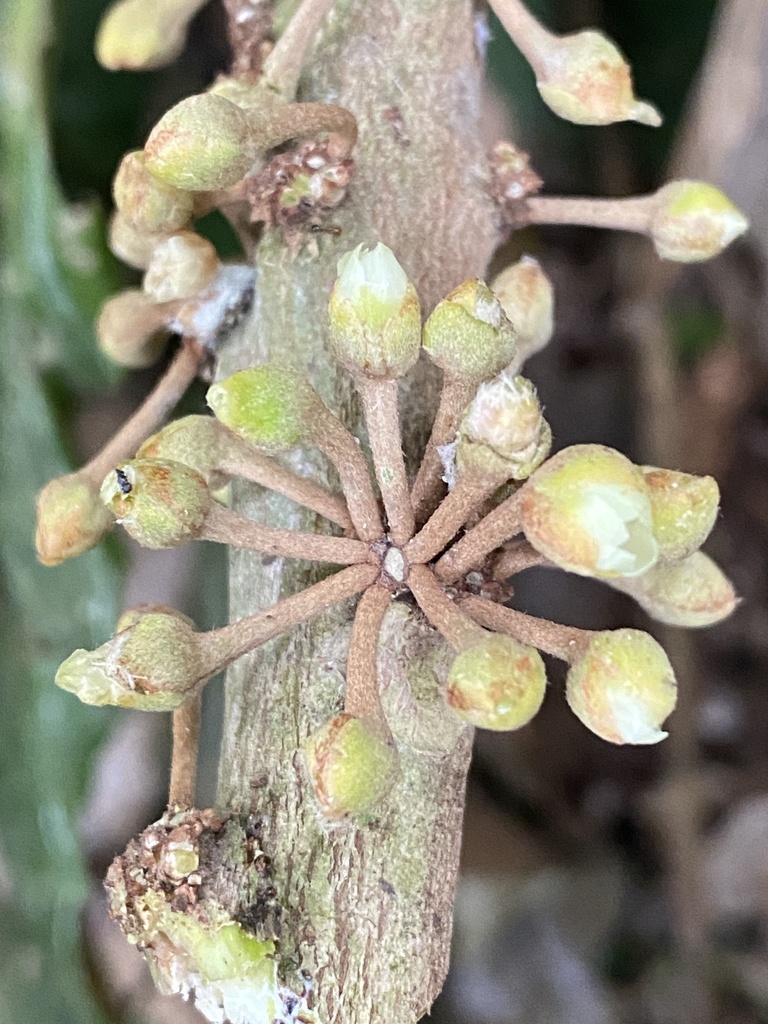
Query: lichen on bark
[(367, 905)]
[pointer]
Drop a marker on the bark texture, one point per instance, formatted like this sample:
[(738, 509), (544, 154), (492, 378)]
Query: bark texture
[(367, 906)]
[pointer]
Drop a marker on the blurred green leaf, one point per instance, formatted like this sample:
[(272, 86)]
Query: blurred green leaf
[(55, 274)]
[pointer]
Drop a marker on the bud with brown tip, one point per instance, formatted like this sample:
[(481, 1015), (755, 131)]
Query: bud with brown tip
[(71, 519)]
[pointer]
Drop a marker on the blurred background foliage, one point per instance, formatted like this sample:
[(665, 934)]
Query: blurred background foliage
[(64, 124)]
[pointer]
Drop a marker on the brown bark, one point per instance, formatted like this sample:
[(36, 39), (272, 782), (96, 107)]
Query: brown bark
[(367, 906)]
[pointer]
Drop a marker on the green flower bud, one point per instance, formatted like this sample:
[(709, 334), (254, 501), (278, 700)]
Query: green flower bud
[(497, 683), (147, 203), (587, 509), (202, 144), (140, 35), (131, 616), (154, 665), (585, 79), (684, 509), (467, 334), (266, 405), (622, 687), (503, 431), (527, 298), (693, 592), (352, 763), (196, 441), (70, 519), (374, 314), (694, 221), (160, 504), (180, 266)]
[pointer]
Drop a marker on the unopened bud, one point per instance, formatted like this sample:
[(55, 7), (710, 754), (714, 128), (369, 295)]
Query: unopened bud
[(503, 432), (467, 334), (352, 763), (527, 298), (691, 593), (202, 144), (622, 687), (71, 519), (694, 221), (160, 504), (584, 78), (587, 510), (154, 665), (684, 510), (131, 616), (199, 442), (132, 329), (130, 245), (140, 35), (180, 266), (374, 314), (497, 683), (147, 203), (265, 405)]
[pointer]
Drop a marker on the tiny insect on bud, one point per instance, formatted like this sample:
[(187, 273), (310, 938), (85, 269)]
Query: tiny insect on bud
[(147, 203), (180, 266), (156, 664), (503, 432), (268, 406), (70, 519), (694, 221), (587, 509), (527, 298), (352, 763), (467, 334), (132, 329), (140, 35), (497, 683), (622, 687), (161, 504), (684, 509), (374, 314), (584, 78), (691, 593), (201, 144)]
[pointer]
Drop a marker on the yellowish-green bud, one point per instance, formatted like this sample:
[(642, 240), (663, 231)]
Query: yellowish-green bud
[(374, 314), (180, 266), (691, 593), (148, 204), (161, 504), (202, 144), (265, 405), (694, 221), (584, 78), (503, 431), (132, 329), (154, 665), (352, 763), (497, 683), (196, 441), (131, 616), (622, 687), (467, 334), (70, 519), (587, 509), (527, 298), (684, 510), (140, 35)]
